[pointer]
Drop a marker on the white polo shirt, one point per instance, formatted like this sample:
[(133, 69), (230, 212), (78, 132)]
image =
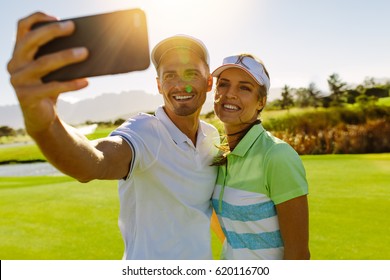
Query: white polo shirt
[(165, 204)]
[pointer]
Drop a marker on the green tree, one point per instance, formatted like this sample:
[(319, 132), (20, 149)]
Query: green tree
[(352, 94), (302, 99), (287, 99), (377, 92), (119, 121), (310, 96), (7, 131), (314, 95), (337, 90)]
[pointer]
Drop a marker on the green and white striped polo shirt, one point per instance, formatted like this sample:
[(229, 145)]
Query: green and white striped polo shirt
[(262, 171)]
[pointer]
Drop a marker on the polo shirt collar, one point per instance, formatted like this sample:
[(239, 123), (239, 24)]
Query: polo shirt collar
[(248, 140), (177, 136)]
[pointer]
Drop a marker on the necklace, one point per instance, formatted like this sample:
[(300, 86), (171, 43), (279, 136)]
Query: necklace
[(246, 129)]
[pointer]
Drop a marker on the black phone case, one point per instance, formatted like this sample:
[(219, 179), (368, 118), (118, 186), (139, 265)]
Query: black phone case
[(117, 43)]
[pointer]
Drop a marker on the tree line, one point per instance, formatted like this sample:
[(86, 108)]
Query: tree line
[(9, 131), (340, 93)]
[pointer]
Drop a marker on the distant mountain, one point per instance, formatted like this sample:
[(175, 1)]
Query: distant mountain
[(105, 107), (108, 107)]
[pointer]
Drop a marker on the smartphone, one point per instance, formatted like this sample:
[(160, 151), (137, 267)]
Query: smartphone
[(117, 43)]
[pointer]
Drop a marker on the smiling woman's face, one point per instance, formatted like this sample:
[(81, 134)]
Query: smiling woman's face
[(237, 99)]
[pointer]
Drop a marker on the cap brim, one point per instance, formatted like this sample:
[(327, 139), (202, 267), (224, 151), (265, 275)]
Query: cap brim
[(224, 67), (179, 42)]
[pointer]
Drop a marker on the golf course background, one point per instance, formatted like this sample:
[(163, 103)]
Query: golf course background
[(56, 217), (59, 218)]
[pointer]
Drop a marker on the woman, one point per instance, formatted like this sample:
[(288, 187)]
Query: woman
[(261, 192)]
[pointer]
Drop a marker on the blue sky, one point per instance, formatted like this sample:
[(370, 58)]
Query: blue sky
[(300, 41)]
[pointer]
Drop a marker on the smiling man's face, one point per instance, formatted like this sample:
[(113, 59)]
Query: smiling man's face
[(183, 80)]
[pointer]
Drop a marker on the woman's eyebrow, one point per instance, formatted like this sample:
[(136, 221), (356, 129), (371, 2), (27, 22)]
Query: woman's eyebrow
[(241, 82), (246, 82)]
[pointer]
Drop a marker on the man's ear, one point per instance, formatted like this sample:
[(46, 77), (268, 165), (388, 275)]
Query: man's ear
[(209, 83), (159, 85)]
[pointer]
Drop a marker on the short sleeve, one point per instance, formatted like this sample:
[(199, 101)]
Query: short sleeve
[(142, 135), (285, 173)]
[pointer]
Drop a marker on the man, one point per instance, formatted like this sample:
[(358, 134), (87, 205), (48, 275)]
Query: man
[(162, 162)]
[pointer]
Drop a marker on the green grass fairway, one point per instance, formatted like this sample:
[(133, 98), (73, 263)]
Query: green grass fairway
[(349, 204), (59, 218), (384, 101), (21, 154)]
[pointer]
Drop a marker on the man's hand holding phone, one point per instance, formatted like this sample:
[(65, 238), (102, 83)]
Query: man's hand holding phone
[(52, 57), (117, 43), (38, 100)]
